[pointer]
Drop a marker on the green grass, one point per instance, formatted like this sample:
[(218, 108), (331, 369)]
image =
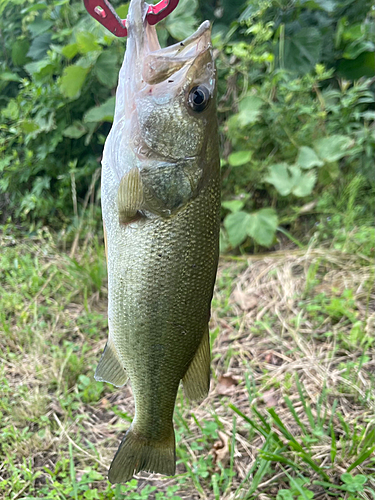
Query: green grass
[(291, 411)]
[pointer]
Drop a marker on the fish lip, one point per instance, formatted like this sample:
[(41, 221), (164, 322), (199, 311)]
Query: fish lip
[(159, 65), (203, 33), (200, 39)]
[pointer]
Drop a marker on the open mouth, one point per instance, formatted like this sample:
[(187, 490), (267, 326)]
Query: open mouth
[(158, 64)]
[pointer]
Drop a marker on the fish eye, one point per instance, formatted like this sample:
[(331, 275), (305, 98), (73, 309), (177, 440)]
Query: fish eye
[(199, 98)]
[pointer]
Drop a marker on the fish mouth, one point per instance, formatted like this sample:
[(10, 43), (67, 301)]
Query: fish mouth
[(156, 64), (161, 64)]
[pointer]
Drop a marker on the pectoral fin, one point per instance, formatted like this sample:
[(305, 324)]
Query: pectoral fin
[(110, 368), (196, 381), (130, 196)]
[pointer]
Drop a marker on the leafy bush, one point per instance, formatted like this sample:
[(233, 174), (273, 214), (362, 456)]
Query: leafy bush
[(58, 79), (294, 127), (295, 108)]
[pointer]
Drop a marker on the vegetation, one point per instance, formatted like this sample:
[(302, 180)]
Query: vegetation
[(290, 415), (296, 108)]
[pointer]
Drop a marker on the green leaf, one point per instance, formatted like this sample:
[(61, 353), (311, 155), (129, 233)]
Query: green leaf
[(363, 65), (11, 111), (330, 172), (363, 456), (327, 5), (29, 126), (75, 131), (290, 179), (353, 484), (302, 50), (262, 226), (86, 42), (39, 46), (106, 69), (349, 479), (333, 147), (19, 50), (102, 113), (7, 76), (284, 495), (357, 47), (39, 26), (307, 158), (224, 244), (305, 184), (69, 51), (122, 10), (181, 27), (33, 8), (181, 22), (41, 68), (249, 108), (280, 177), (239, 158), (5, 162), (233, 205), (85, 380), (236, 226), (72, 79)]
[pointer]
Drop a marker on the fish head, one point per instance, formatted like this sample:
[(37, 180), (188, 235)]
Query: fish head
[(170, 92)]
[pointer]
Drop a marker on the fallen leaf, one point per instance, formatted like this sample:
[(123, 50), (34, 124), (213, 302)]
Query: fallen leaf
[(226, 384), (269, 398), (221, 449), (271, 359)]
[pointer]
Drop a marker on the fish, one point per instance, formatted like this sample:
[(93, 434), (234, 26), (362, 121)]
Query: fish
[(160, 194)]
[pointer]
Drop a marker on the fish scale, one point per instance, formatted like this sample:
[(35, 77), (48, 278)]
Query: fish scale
[(138, 298)]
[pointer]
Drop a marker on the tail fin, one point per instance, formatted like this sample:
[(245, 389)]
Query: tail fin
[(137, 453)]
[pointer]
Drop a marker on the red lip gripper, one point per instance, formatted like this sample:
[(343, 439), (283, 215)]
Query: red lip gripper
[(102, 11)]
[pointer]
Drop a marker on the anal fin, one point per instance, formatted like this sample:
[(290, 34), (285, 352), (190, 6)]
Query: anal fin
[(110, 368), (196, 381), (130, 196)]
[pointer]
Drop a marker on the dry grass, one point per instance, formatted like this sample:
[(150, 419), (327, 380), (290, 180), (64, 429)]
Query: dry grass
[(274, 287), (264, 336)]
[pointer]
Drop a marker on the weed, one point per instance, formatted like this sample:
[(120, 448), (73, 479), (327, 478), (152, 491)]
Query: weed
[(291, 339)]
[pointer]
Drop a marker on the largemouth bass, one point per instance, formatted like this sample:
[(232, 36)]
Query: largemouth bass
[(160, 203)]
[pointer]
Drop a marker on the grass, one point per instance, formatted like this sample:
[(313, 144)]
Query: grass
[(291, 411)]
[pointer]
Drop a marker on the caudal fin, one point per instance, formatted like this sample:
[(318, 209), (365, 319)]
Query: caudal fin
[(137, 453)]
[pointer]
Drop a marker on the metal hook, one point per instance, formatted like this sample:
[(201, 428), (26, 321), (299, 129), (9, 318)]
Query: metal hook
[(102, 11)]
